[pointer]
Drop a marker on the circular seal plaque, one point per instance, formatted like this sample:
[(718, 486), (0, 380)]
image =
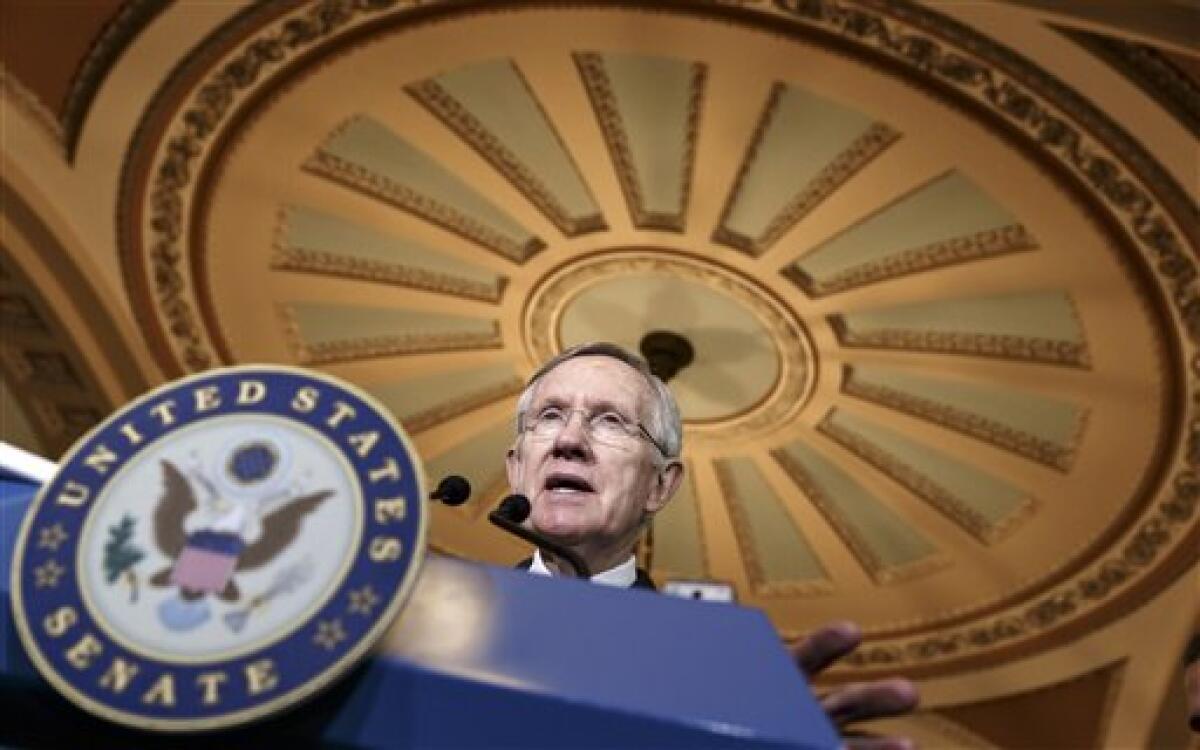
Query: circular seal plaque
[(220, 549)]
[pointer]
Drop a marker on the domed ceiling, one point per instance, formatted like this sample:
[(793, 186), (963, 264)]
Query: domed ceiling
[(944, 310)]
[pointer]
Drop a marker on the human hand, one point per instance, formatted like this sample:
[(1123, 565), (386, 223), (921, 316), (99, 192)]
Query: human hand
[(862, 701)]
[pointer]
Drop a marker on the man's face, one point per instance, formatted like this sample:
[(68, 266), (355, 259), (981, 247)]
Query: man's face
[(586, 492)]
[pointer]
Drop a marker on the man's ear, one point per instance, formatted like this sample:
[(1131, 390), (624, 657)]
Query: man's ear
[(665, 484), (512, 467)]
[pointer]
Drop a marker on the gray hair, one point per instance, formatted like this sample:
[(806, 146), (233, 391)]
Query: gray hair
[(664, 424)]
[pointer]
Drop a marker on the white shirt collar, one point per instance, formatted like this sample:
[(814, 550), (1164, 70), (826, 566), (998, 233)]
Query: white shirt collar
[(621, 576)]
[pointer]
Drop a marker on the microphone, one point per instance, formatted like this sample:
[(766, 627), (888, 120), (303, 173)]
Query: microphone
[(452, 490), (509, 515), (515, 508)]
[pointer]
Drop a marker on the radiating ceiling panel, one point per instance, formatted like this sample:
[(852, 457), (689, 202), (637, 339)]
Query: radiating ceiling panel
[(321, 332), (1044, 429), (648, 109), (316, 242), (981, 503), (678, 535), (804, 149), (946, 221), (491, 106), (363, 154), (421, 403), (887, 547), (479, 458), (777, 556), (1033, 326)]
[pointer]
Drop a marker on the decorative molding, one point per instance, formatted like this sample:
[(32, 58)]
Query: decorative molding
[(608, 114), (722, 234), (868, 145), (873, 142), (444, 412), (744, 534), (1022, 443), (546, 302), (76, 419), (458, 118), (879, 572), (42, 367), (386, 346), (18, 313), (335, 264), (691, 136), (48, 375), (16, 366), (956, 57), (1149, 69), (950, 505), (160, 252), (1000, 346), (61, 408), (360, 178), (986, 244), (65, 421), (131, 19), (1010, 86), (1134, 556), (369, 347), (51, 368)]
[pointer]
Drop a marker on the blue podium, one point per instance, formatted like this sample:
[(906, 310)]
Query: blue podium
[(486, 657)]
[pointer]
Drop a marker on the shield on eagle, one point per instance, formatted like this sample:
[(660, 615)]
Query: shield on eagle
[(236, 534)]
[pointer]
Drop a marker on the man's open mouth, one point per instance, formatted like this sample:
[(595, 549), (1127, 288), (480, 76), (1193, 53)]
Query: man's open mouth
[(567, 484)]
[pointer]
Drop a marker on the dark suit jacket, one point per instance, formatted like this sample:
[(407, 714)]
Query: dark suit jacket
[(642, 581)]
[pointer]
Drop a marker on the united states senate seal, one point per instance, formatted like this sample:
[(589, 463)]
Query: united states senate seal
[(220, 549)]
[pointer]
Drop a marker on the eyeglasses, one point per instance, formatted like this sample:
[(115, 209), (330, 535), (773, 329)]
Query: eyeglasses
[(607, 427)]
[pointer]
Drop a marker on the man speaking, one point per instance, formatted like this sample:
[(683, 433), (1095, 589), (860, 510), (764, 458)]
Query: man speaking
[(597, 453)]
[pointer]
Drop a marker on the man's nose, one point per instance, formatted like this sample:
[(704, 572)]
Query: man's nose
[(573, 437)]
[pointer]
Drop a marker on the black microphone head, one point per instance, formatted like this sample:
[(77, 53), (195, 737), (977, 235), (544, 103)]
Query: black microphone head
[(515, 508), (452, 490)]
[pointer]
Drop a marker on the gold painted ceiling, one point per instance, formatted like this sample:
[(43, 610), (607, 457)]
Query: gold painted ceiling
[(941, 284)]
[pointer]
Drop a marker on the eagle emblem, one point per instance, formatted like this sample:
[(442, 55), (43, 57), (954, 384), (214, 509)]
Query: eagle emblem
[(210, 537), (218, 548)]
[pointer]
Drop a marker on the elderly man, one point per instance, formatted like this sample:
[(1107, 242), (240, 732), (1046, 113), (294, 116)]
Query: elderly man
[(596, 481)]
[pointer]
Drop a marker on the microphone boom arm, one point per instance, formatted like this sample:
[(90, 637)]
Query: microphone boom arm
[(501, 519)]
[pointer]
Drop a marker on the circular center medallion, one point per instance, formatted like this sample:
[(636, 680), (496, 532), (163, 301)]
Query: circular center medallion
[(752, 364)]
